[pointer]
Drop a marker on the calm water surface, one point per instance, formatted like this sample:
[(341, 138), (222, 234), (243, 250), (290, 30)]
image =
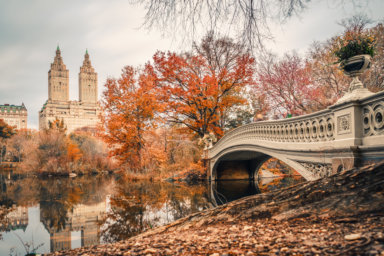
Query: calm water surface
[(63, 213)]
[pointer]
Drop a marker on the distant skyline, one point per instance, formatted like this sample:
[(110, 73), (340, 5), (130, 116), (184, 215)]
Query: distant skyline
[(30, 31)]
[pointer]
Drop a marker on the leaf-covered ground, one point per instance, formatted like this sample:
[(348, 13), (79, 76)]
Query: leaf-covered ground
[(339, 215)]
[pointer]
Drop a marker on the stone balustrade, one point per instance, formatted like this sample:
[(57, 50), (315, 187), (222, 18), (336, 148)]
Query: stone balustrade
[(373, 116), (304, 129)]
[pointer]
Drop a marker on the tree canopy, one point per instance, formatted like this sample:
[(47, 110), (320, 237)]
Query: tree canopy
[(6, 131), (200, 87)]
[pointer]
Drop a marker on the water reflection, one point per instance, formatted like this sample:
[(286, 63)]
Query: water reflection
[(63, 213), (228, 190), (51, 214), (225, 191), (274, 183), (139, 206)]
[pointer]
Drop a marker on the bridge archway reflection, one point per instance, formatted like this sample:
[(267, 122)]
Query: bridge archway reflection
[(224, 191)]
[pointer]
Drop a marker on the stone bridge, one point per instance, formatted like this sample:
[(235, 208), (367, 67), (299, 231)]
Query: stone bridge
[(347, 134)]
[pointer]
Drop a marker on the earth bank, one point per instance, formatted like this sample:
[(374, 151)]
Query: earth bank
[(338, 215)]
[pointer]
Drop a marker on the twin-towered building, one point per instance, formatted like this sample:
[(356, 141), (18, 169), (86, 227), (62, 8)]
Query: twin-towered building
[(74, 114)]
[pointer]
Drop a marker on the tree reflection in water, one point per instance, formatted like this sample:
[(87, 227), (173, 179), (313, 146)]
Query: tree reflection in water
[(139, 206), (58, 197), (107, 209), (5, 205)]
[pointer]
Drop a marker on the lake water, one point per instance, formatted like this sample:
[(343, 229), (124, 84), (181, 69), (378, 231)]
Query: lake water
[(62, 213)]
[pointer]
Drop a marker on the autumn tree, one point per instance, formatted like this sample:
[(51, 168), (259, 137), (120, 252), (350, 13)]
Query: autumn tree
[(58, 125), (93, 152), (19, 145), (222, 53), (287, 84), (6, 132), (199, 87), (52, 152), (374, 77), (130, 105), (327, 77)]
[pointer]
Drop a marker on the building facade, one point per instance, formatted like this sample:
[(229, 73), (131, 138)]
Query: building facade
[(14, 115), (74, 114)]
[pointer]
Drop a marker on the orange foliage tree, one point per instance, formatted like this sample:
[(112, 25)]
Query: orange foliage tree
[(197, 90), (73, 152), (6, 131), (130, 105)]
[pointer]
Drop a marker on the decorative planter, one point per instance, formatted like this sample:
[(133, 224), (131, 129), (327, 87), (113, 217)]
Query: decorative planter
[(356, 65)]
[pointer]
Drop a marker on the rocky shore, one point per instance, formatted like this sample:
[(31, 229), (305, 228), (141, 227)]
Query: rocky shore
[(338, 215)]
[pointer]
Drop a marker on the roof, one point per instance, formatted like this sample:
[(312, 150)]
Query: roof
[(8, 107)]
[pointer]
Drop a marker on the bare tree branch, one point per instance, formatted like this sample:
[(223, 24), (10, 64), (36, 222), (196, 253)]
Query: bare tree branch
[(248, 18)]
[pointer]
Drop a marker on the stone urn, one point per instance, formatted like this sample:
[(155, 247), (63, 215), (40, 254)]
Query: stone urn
[(354, 67)]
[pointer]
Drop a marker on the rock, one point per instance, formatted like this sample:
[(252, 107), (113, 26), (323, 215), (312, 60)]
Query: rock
[(352, 237)]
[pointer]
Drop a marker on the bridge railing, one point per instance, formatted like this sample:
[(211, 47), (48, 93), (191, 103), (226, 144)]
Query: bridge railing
[(373, 115), (313, 127)]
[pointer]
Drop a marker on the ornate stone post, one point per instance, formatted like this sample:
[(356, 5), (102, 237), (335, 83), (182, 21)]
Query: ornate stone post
[(354, 67), (348, 115), (207, 143)]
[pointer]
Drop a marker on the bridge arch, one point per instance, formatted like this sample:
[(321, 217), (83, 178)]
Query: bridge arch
[(244, 161)]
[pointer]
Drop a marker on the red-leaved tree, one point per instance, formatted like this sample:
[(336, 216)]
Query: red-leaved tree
[(287, 85)]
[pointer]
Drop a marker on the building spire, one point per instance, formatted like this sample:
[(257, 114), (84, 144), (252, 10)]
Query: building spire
[(86, 63), (58, 61), (58, 50)]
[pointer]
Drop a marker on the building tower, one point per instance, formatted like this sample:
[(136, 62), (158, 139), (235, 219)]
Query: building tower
[(87, 82), (58, 79)]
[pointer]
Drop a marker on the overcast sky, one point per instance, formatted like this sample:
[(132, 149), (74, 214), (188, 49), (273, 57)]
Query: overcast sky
[(30, 31)]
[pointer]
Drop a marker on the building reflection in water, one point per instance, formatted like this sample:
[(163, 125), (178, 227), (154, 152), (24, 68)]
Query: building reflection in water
[(81, 228), (24, 232), (18, 218)]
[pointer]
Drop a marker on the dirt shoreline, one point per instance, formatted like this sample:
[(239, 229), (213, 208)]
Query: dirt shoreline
[(339, 215)]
